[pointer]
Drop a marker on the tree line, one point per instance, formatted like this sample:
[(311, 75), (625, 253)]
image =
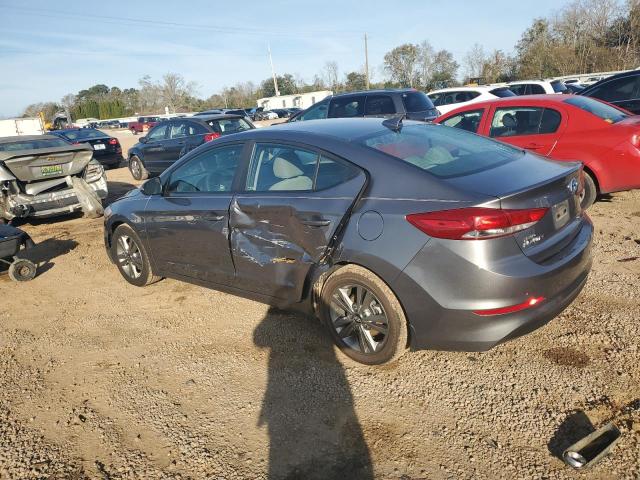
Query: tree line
[(584, 36)]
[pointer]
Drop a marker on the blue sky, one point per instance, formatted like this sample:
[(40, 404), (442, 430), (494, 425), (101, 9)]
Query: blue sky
[(49, 49)]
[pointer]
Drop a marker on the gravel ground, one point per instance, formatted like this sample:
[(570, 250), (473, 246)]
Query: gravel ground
[(99, 379)]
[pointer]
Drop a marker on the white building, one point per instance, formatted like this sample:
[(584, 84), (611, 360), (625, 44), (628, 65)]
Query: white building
[(300, 100)]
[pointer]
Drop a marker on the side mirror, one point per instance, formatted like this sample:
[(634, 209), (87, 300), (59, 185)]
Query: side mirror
[(153, 186), (143, 139)]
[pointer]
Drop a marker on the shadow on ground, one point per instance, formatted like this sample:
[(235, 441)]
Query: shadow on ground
[(308, 408)]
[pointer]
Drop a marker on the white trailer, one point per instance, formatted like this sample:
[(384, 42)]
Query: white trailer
[(300, 100), (21, 126)]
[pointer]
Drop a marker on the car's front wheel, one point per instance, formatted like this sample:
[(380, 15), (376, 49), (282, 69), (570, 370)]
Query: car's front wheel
[(136, 167), (131, 257), (363, 315)]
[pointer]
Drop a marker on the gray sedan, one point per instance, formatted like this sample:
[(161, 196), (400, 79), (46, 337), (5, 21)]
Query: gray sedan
[(395, 234)]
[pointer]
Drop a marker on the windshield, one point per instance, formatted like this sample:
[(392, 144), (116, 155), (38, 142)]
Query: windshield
[(558, 86), (442, 151), (503, 92), (416, 102), (33, 144), (84, 134), (606, 112)]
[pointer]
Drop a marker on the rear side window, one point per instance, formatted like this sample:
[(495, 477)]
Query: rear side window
[(443, 152), (469, 121), (416, 102), (602, 110), (535, 89), (229, 125), (618, 90), (346, 107), (518, 89), (379, 105), (514, 121), (285, 168)]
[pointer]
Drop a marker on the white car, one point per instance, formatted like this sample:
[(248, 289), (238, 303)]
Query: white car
[(538, 87), (448, 99)]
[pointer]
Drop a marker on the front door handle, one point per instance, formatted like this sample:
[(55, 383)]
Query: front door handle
[(213, 218), (534, 146), (316, 223)]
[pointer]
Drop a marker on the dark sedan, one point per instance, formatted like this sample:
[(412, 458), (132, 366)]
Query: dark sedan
[(170, 140), (106, 149), (395, 235), (621, 90)]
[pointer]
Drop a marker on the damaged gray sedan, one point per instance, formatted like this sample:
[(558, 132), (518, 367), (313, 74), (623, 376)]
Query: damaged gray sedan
[(44, 176), (396, 234)]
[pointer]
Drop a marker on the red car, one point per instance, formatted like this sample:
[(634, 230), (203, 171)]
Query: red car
[(604, 138), (143, 125)]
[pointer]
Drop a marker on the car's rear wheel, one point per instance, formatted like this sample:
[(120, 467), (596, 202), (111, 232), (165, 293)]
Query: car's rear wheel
[(137, 169), (364, 316), (134, 131), (131, 257), (589, 192)]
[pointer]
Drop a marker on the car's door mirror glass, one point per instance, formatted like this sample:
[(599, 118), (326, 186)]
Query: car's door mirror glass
[(143, 140), (153, 186)]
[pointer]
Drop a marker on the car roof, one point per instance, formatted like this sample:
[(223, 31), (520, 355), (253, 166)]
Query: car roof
[(630, 73), (212, 116), (380, 90), (20, 138), (524, 100), (482, 88)]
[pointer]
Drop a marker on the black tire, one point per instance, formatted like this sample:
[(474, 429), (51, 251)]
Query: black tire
[(133, 131), (22, 270), (136, 167), (134, 265), (383, 304), (590, 192)]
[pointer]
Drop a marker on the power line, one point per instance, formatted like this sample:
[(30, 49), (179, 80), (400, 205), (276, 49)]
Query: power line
[(231, 30)]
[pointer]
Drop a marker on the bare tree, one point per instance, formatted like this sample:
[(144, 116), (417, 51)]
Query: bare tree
[(330, 75), (474, 61), (175, 91)]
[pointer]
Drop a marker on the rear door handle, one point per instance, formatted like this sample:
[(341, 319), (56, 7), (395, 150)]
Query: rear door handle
[(534, 146), (316, 223)]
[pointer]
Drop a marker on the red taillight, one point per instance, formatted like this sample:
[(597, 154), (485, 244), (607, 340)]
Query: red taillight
[(530, 302), (475, 223), (211, 136), (113, 141), (635, 140)]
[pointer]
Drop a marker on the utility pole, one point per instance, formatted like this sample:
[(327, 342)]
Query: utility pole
[(366, 61), (273, 73)]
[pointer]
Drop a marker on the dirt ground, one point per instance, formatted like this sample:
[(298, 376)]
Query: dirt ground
[(104, 380)]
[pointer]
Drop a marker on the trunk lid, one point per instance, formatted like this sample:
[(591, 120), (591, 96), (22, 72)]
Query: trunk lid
[(56, 162), (534, 182)]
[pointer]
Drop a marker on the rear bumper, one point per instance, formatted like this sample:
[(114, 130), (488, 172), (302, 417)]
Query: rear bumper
[(51, 204), (445, 320)]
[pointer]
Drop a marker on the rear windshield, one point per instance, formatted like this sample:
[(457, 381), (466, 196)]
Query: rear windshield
[(229, 125), (84, 134), (606, 112), (442, 151), (33, 144), (416, 102), (558, 86), (503, 92)]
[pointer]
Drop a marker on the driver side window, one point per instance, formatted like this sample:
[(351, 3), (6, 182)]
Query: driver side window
[(316, 112), (158, 133), (209, 172)]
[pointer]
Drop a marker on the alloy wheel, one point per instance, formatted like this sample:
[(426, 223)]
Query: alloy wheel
[(358, 318), (129, 256), (135, 169)]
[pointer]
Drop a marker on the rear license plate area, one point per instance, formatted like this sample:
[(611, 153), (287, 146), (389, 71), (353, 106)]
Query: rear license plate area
[(561, 214), (99, 146), (51, 170)]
